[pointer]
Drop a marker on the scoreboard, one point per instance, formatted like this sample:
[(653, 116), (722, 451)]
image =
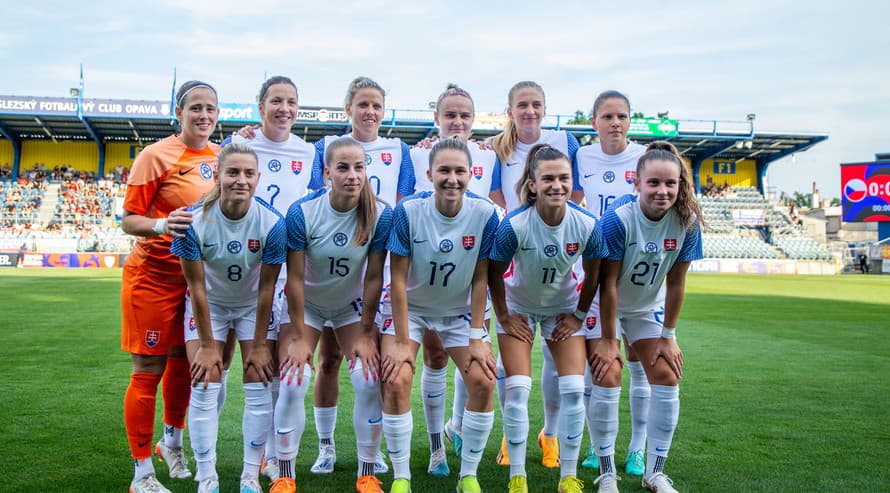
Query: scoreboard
[(866, 191)]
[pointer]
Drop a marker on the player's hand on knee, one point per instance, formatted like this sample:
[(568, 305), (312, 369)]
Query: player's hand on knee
[(399, 354), (298, 355), (604, 355), (206, 364), (260, 359), (517, 326), (670, 351), (365, 348), (480, 353)]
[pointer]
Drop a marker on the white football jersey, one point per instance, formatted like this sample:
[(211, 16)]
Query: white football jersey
[(334, 263), (647, 249), (484, 166), (233, 251), (443, 251), (604, 177), (287, 169), (541, 280), (388, 162), (511, 171)]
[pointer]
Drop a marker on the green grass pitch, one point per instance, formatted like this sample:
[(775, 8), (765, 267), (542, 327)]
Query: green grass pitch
[(786, 388)]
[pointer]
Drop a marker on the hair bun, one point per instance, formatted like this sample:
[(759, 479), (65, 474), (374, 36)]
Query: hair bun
[(663, 145)]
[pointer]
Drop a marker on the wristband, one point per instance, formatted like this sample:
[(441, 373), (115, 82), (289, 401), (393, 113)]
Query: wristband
[(477, 333), (160, 226), (580, 314), (667, 333)]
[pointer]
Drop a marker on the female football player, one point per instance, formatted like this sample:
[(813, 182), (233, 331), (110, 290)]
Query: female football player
[(526, 110), (391, 176), (230, 257), (439, 245), (166, 177), (606, 171), (454, 116), (544, 239), (336, 250), (651, 239)]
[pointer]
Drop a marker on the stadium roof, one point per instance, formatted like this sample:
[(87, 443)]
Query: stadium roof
[(106, 120)]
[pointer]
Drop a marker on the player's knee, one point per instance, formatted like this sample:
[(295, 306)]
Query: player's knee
[(329, 363), (662, 374), (435, 358), (399, 390), (479, 386)]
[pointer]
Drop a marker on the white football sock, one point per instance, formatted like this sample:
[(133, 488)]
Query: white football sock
[(477, 427), (203, 428), (325, 422), (398, 428), (499, 382), (290, 416), (571, 423), (144, 467), (221, 398), (270, 454), (367, 416), (588, 392), (516, 421), (603, 415), (460, 400), (433, 387), (173, 436), (550, 392), (255, 426), (639, 405), (664, 412)]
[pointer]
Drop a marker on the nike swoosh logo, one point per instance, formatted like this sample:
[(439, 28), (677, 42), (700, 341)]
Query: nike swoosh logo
[(254, 444), (589, 175), (433, 396), (186, 171), (476, 451), (525, 249), (631, 243), (604, 447), (574, 437), (209, 245), (314, 237), (659, 449), (520, 442), (202, 452), (419, 241), (391, 452), (513, 164), (142, 444), (499, 377), (375, 421)]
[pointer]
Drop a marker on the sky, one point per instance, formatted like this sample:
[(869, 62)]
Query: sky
[(811, 67)]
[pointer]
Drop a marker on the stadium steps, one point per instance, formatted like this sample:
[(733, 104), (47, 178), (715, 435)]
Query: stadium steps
[(50, 200)]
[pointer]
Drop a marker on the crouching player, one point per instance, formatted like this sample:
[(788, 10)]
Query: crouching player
[(439, 244), (230, 256), (651, 241)]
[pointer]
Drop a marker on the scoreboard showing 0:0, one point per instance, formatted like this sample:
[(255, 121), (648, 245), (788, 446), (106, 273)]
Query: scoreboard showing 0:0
[(866, 192)]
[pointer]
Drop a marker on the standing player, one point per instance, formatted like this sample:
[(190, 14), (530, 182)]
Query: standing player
[(651, 239), (604, 172), (544, 239), (286, 162), (454, 116), (334, 235), (230, 256), (391, 176), (439, 244), (526, 110), (166, 177)]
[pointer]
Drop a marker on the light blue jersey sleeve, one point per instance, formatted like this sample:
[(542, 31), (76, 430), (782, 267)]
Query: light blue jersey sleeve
[(613, 232), (296, 227), (399, 241), (692, 248), (226, 141), (572, 146), (488, 237), (496, 175), (505, 242), (275, 251), (187, 246), (381, 232), (596, 246), (316, 181), (406, 173)]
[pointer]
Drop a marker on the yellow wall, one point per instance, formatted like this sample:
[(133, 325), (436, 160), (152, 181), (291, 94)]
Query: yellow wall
[(736, 174), (83, 156), (6, 152), (119, 153)]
